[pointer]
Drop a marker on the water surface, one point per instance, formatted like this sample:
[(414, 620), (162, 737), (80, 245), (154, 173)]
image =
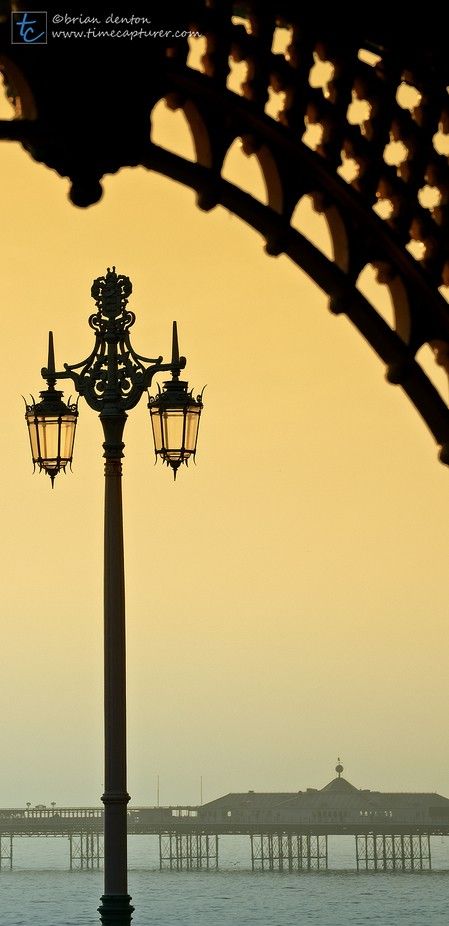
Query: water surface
[(41, 892)]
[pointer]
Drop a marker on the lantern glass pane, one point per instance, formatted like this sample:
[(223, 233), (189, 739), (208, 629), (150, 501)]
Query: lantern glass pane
[(68, 424), (48, 438), (173, 432), (192, 423), (157, 428), (32, 430)]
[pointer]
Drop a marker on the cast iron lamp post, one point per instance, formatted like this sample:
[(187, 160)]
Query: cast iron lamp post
[(112, 380)]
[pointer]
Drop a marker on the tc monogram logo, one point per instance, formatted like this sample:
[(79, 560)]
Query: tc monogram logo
[(29, 28)]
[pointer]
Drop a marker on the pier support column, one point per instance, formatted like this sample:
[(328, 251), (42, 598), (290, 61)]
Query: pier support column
[(6, 852), (86, 851), (393, 853), (186, 851), (288, 852)]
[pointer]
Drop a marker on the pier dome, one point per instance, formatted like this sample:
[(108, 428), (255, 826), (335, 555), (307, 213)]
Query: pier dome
[(340, 785)]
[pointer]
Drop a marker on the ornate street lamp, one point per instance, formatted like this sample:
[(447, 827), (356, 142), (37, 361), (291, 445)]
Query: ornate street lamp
[(112, 380)]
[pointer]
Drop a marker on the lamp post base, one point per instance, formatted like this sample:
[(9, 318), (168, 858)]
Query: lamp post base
[(116, 910)]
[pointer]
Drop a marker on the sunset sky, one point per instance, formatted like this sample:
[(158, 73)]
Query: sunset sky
[(287, 597)]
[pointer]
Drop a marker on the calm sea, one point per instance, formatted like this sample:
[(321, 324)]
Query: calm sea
[(41, 892)]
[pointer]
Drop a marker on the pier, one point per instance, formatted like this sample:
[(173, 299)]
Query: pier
[(287, 831)]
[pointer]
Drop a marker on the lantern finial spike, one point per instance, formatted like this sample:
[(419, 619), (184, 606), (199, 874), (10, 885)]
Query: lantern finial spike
[(51, 353), (175, 345), (51, 369)]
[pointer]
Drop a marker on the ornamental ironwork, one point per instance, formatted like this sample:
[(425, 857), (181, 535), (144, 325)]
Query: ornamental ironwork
[(354, 116), (113, 371)]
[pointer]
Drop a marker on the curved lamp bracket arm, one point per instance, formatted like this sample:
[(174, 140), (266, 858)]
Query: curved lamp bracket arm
[(162, 368), (69, 368), (67, 373), (174, 367)]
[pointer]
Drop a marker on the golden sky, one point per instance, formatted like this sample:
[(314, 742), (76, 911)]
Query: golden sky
[(287, 597)]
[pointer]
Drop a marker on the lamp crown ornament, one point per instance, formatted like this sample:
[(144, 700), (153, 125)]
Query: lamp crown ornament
[(111, 294)]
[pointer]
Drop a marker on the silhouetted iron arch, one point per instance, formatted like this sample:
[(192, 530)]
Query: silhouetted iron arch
[(383, 114)]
